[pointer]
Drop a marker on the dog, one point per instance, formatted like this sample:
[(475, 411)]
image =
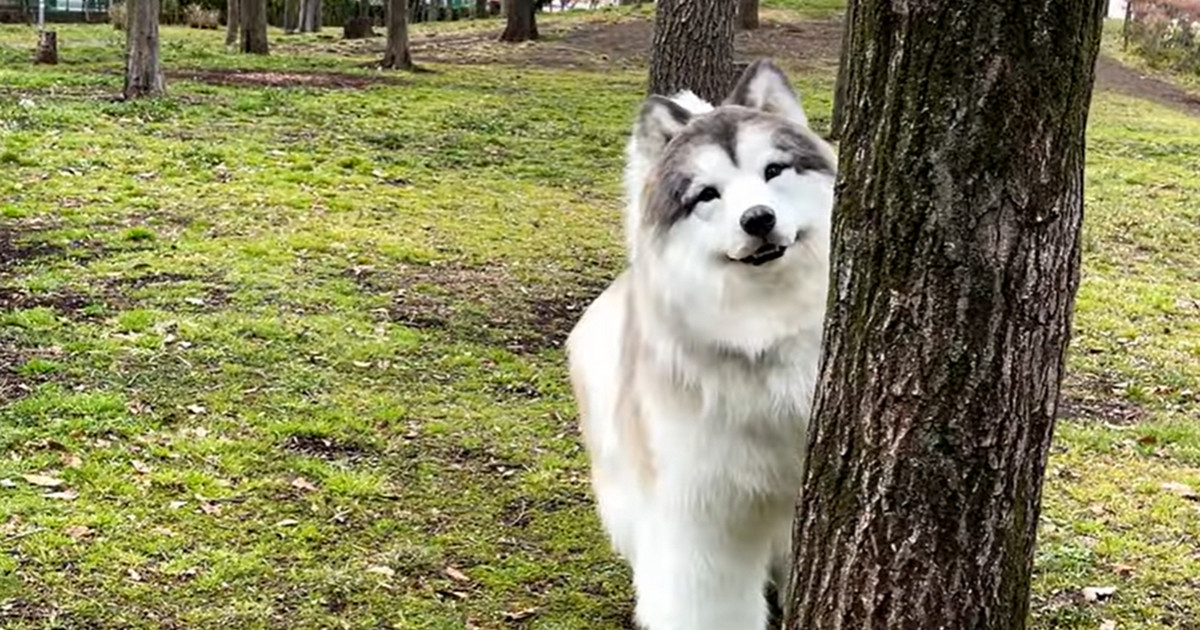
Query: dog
[(694, 371)]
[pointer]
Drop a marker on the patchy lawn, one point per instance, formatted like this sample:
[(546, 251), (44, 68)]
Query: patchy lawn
[(283, 349)]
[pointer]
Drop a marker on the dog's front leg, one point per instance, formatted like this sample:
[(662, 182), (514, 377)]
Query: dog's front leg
[(690, 575)]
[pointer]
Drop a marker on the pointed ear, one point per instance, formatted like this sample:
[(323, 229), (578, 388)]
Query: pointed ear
[(763, 86), (660, 120)]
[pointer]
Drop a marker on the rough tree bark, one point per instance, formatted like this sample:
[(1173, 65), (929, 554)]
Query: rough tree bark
[(747, 14), (837, 123), (143, 70), (233, 18), (254, 26), (522, 23), (955, 265), (397, 54), (693, 48)]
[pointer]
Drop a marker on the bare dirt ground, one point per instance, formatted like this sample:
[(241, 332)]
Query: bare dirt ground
[(624, 43)]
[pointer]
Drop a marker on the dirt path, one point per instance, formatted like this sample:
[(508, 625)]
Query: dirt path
[(1115, 76), (624, 44)]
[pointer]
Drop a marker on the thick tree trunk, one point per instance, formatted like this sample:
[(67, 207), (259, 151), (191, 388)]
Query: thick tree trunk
[(143, 71), (748, 14), (693, 48), (233, 18), (47, 48), (955, 265), (254, 26), (397, 54), (837, 123), (522, 25)]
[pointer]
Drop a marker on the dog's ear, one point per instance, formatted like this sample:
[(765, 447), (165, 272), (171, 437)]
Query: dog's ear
[(763, 86), (660, 120)]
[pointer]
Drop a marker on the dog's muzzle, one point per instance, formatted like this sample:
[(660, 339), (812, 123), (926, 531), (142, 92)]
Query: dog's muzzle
[(764, 254)]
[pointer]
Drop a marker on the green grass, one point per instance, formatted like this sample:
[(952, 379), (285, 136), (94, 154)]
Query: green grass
[(292, 352)]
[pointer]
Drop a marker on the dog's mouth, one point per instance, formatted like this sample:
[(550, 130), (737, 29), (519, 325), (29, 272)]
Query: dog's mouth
[(764, 254)]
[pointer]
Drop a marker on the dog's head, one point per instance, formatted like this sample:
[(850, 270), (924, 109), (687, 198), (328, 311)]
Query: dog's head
[(745, 185)]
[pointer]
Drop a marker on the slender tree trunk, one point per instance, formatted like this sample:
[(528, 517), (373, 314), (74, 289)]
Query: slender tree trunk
[(47, 48), (143, 71), (522, 25), (955, 264), (748, 14), (254, 26), (233, 18), (481, 9), (693, 48), (397, 54), (837, 123)]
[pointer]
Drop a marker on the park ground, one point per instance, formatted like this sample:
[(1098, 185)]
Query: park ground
[(283, 349)]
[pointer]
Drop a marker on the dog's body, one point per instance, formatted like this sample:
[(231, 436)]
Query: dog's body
[(694, 371)]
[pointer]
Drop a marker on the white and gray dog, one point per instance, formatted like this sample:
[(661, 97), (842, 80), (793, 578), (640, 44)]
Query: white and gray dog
[(694, 371)]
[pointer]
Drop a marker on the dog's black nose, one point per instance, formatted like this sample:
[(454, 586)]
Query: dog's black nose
[(758, 221)]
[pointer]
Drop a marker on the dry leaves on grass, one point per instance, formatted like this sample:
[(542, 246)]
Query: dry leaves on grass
[(140, 467), (379, 569), (456, 575), (520, 615), (78, 532), (1182, 490), (300, 483), (64, 495), (1095, 594), (1108, 624), (44, 481)]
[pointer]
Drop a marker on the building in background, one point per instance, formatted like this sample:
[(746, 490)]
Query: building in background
[(25, 11)]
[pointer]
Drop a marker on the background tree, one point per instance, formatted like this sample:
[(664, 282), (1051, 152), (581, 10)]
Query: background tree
[(397, 54), (693, 48), (747, 14), (233, 17), (310, 16), (522, 23), (254, 26), (143, 70), (955, 264)]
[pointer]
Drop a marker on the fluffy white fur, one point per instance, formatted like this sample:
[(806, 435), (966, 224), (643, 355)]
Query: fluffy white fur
[(694, 375)]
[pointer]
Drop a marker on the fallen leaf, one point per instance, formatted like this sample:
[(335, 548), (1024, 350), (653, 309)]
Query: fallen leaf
[(1147, 440), (65, 495), (287, 522), (303, 484), (139, 466), (1123, 570), (78, 532), (1182, 490), (381, 570), (7, 483), (196, 409), (163, 531), (1098, 593), (71, 460), (43, 481), (456, 575), (134, 575), (175, 505), (1108, 624), (211, 509), (361, 364), (519, 615)]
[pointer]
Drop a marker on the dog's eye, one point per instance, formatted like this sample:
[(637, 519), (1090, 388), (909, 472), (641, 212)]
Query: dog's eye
[(773, 171), (708, 194)]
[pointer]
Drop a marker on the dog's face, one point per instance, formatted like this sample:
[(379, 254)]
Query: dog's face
[(746, 185)]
